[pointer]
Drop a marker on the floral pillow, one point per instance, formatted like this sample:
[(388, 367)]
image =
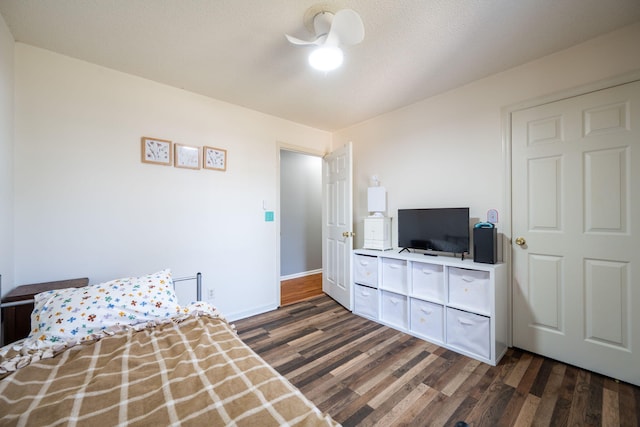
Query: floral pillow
[(79, 314)]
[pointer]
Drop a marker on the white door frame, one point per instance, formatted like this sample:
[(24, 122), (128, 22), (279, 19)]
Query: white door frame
[(297, 149), (506, 156)]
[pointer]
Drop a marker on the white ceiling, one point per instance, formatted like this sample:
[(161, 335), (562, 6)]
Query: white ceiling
[(235, 50)]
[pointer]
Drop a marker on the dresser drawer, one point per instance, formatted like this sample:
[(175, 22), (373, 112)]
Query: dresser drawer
[(470, 289), (394, 275), (428, 281), (394, 309), (365, 270), (366, 302), (427, 320), (469, 332)]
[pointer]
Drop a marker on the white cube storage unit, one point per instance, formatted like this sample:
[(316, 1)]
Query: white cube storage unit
[(458, 304)]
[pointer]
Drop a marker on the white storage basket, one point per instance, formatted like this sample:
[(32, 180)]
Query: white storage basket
[(394, 309), (470, 332)]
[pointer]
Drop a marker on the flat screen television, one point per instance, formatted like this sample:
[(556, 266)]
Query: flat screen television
[(436, 229)]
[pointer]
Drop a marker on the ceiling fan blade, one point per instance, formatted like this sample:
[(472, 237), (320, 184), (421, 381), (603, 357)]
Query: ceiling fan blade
[(346, 29), (297, 41), (317, 41)]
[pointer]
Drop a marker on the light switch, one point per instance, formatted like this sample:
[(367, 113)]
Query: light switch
[(268, 216)]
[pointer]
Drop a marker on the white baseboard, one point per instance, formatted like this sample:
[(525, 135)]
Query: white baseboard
[(248, 313), (298, 275)]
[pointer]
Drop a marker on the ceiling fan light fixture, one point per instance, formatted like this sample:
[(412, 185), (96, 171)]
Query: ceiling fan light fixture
[(326, 58)]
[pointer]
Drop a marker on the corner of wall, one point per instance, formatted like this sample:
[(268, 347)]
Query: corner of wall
[(7, 85)]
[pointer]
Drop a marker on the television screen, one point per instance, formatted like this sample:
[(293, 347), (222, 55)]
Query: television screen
[(437, 229)]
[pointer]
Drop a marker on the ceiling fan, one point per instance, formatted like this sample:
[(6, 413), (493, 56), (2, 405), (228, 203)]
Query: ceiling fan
[(344, 28)]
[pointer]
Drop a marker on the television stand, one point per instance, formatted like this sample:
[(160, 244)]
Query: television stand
[(404, 249), (459, 305)]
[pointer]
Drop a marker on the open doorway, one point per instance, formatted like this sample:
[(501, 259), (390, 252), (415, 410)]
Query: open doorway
[(300, 226)]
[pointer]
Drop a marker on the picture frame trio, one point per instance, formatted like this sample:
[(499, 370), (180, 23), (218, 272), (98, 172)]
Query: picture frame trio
[(164, 152)]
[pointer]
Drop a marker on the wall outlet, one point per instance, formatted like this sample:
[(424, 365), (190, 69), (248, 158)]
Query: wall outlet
[(211, 294)]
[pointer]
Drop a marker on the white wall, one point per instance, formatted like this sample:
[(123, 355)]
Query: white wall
[(447, 151), (6, 156), (87, 206)]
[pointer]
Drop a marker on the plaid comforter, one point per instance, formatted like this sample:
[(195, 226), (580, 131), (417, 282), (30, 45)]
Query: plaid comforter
[(196, 372)]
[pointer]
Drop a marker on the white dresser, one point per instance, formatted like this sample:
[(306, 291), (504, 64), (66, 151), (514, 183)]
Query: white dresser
[(460, 305)]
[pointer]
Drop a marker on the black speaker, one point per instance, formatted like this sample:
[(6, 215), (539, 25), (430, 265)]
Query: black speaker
[(485, 245)]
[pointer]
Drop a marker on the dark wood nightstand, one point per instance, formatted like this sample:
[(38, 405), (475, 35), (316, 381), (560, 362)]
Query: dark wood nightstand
[(17, 319)]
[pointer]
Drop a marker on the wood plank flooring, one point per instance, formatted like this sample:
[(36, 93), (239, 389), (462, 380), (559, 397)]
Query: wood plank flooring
[(363, 373), (300, 289)]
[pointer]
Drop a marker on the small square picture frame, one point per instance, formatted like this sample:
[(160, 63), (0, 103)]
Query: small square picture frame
[(186, 156), (214, 158), (156, 151)]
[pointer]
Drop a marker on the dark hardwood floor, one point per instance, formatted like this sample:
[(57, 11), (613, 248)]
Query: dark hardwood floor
[(363, 373)]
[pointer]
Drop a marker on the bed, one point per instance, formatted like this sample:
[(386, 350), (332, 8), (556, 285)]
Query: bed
[(125, 352)]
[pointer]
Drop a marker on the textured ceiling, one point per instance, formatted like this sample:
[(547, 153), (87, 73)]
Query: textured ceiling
[(235, 50)]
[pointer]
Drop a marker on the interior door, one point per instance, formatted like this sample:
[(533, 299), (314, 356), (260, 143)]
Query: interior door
[(576, 215), (337, 225)]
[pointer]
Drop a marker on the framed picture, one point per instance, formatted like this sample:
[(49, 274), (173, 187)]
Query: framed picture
[(214, 158), (156, 151), (187, 156)]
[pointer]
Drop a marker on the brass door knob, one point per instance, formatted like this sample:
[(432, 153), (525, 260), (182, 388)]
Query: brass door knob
[(348, 234), (520, 241)]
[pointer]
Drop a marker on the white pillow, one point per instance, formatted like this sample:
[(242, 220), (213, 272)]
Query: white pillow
[(78, 314)]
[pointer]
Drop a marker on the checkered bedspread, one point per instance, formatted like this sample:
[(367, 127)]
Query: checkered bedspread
[(197, 372)]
